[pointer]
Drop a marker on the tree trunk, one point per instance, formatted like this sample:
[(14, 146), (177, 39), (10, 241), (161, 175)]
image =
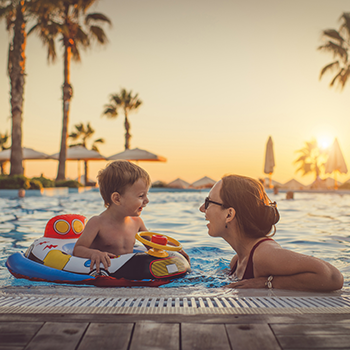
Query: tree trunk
[(86, 172), (127, 128), (67, 95), (16, 73)]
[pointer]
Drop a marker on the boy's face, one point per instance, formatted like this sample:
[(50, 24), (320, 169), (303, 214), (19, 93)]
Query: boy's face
[(135, 198)]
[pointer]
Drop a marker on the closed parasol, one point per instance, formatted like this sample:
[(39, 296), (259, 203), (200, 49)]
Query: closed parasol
[(335, 162), (137, 154), (269, 160)]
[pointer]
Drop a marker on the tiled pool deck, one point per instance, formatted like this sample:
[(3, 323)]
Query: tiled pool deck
[(165, 318)]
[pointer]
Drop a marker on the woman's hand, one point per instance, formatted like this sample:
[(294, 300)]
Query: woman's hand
[(98, 257), (182, 252), (255, 283)]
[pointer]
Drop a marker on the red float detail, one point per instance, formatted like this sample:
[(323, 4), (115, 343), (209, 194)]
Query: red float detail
[(50, 246), (159, 239)]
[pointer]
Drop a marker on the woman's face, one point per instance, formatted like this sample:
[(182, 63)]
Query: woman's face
[(214, 212)]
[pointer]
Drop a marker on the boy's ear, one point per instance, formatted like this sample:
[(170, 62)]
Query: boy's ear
[(115, 198)]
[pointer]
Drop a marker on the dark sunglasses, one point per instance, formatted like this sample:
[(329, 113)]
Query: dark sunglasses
[(207, 201)]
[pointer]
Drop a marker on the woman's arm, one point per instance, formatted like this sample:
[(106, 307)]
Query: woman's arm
[(291, 270)]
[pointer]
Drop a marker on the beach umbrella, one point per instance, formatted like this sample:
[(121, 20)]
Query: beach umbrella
[(269, 160), (28, 153), (81, 153), (335, 162), (178, 183), (204, 182), (137, 154), (293, 185)]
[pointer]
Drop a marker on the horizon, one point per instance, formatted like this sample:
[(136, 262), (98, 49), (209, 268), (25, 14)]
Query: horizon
[(216, 80)]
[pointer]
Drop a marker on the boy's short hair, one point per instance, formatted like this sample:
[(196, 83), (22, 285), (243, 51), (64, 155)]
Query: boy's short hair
[(117, 176)]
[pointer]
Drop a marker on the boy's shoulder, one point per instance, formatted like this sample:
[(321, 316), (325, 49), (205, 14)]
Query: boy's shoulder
[(94, 220)]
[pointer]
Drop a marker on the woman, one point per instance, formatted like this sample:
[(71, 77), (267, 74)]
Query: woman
[(239, 211)]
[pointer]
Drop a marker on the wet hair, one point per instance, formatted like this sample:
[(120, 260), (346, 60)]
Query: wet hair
[(117, 176), (256, 215)]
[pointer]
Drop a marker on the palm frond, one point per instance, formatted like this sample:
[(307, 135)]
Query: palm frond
[(110, 111), (329, 67), (81, 37), (76, 144), (333, 34), (346, 25), (337, 50), (344, 77), (92, 17), (98, 34), (337, 77)]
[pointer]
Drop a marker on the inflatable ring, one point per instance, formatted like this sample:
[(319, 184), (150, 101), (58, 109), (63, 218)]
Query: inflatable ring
[(50, 259)]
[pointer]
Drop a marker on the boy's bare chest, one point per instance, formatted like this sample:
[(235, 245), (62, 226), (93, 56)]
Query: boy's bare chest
[(116, 239)]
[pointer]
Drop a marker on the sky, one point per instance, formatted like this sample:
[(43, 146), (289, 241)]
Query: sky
[(216, 78)]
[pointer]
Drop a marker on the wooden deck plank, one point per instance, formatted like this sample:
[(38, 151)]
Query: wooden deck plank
[(107, 336), (252, 337), (17, 334), (58, 336), (308, 329), (328, 341), (154, 336), (204, 337)]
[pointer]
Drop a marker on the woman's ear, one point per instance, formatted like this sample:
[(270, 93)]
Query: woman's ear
[(115, 198), (231, 214)]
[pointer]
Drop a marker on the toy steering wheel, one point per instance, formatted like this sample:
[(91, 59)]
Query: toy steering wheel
[(158, 247)]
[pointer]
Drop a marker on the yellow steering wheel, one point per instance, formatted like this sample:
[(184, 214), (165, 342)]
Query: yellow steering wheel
[(158, 249)]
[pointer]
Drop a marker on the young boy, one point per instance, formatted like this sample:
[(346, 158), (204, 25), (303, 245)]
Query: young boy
[(123, 187)]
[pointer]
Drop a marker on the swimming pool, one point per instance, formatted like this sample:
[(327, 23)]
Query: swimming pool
[(313, 223)]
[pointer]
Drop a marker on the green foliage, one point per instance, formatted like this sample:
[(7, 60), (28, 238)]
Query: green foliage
[(311, 159), (68, 183), (158, 184), (44, 181), (35, 184), (14, 182), (337, 43)]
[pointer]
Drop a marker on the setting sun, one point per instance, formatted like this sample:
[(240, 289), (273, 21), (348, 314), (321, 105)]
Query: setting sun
[(324, 141)]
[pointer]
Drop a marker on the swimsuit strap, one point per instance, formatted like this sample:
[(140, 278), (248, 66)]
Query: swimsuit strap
[(249, 271)]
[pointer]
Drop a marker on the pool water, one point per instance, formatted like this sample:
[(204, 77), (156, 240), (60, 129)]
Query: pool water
[(313, 223)]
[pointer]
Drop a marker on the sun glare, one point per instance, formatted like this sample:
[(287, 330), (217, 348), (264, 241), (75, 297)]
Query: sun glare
[(324, 141)]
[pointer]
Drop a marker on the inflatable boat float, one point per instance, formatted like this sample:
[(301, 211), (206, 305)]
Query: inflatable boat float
[(50, 259)]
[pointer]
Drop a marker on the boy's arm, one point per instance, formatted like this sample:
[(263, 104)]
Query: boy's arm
[(82, 247)]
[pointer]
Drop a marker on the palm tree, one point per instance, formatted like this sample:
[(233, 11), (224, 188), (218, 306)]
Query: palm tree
[(14, 13), (84, 133), (338, 43), (125, 101), (311, 159), (63, 18), (4, 138)]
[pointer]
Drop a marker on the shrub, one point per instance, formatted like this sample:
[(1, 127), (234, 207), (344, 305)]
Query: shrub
[(68, 183), (44, 181), (35, 184), (14, 182)]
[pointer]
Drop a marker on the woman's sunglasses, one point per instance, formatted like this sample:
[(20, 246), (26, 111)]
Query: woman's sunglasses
[(207, 201)]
